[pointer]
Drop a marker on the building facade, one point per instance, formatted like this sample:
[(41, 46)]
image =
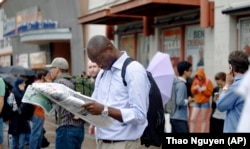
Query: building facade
[(203, 32), (38, 31)]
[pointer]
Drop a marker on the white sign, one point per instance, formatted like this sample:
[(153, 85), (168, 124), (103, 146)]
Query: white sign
[(9, 26), (194, 43), (37, 59), (22, 60)]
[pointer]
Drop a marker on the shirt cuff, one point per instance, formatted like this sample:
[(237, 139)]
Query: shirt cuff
[(185, 102), (127, 115)]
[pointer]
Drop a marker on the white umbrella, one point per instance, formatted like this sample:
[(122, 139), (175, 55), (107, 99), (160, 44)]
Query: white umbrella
[(162, 71)]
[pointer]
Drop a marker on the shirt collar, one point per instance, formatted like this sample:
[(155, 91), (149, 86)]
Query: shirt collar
[(182, 79), (238, 77), (119, 62)]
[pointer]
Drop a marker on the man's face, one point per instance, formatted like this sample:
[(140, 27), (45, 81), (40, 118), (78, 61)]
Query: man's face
[(247, 50), (48, 78), (53, 73), (189, 72), (103, 58), (22, 86), (93, 69)]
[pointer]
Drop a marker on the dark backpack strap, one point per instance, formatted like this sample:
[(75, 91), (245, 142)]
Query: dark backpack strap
[(124, 66), (102, 74)]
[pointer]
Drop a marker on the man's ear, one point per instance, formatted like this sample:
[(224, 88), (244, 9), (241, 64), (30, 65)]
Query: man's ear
[(110, 47)]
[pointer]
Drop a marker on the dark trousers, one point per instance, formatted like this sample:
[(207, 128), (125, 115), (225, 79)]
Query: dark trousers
[(179, 126), (216, 125)]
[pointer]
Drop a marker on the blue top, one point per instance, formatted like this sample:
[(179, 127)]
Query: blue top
[(132, 100), (232, 103), (181, 112)]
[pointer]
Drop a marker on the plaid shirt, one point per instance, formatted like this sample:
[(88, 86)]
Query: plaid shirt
[(66, 116)]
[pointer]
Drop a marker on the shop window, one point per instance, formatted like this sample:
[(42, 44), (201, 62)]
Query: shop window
[(194, 45), (137, 46), (171, 44), (244, 35), (142, 49), (128, 44)]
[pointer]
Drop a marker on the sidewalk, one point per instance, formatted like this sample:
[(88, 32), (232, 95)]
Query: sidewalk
[(89, 141), (50, 127)]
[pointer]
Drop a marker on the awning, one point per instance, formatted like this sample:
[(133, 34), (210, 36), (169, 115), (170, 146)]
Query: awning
[(1, 3), (105, 17), (154, 8), (134, 10), (145, 10), (237, 8), (46, 36)]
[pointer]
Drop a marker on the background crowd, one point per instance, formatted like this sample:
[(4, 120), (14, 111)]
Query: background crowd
[(216, 105)]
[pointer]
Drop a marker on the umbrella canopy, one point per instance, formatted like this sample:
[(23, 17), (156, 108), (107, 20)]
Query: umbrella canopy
[(162, 71), (4, 69), (19, 70), (8, 78)]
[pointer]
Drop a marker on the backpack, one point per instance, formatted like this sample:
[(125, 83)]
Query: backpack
[(171, 106), (153, 133), (81, 84)]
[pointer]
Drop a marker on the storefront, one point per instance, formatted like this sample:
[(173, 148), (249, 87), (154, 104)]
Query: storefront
[(240, 11), (172, 27), (5, 44)]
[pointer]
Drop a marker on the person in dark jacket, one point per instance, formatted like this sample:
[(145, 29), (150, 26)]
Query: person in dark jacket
[(18, 126)]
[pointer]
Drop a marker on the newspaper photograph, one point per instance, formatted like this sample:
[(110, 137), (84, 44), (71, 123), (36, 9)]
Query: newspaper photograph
[(34, 97), (69, 99)]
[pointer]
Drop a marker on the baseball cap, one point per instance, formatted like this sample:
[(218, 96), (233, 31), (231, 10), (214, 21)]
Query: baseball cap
[(60, 63)]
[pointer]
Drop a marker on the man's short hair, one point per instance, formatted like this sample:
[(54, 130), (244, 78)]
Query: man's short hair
[(183, 66), (239, 61)]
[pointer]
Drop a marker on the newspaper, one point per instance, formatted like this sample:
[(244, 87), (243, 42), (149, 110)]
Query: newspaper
[(34, 97), (48, 94)]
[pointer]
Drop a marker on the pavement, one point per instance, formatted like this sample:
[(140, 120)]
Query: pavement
[(50, 127), (89, 141)]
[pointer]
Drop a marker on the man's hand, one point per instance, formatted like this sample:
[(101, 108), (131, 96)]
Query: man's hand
[(91, 130), (94, 108), (76, 117), (229, 78), (190, 100)]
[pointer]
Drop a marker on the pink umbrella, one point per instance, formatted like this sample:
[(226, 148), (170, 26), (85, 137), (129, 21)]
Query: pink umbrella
[(162, 71)]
